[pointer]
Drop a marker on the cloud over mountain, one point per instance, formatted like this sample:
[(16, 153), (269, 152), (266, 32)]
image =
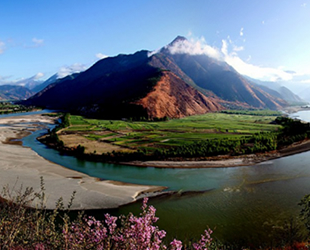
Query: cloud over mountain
[(244, 68), (69, 70), (101, 56), (193, 47), (178, 80), (5, 80), (228, 53)]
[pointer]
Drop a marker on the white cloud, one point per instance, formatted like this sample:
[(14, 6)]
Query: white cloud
[(305, 81), (192, 47), (37, 42), (262, 73), (238, 48), (2, 47), (151, 53), (4, 79), (69, 70), (228, 53), (38, 76), (101, 56), (20, 81), (241, 32)]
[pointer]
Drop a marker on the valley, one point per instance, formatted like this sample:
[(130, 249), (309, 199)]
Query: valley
[(143, 125), (255, 191), (250, 136)]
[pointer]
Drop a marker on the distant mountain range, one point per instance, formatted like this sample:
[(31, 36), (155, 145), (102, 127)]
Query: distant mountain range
[(276, 89), (166, 83), (28, 83), (13, 93)]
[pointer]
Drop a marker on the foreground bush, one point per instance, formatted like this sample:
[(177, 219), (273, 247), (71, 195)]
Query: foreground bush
[(24, 228), (133, 233)]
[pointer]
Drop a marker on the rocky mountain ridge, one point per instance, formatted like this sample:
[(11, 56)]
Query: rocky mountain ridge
[(168, 83)]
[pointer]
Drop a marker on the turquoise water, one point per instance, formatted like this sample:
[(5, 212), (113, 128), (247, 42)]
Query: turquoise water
[(240, 202)]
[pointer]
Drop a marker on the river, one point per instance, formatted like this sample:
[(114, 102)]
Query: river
[(242, 203)]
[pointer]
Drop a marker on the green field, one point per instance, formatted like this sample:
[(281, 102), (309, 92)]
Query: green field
[(176, 132)]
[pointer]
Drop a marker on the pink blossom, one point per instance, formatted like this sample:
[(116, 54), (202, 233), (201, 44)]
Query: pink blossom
[(176, 244), (135, 233)]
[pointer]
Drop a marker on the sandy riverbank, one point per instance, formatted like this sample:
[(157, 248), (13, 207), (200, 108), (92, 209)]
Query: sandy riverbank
[(22, 166), (295, 109)]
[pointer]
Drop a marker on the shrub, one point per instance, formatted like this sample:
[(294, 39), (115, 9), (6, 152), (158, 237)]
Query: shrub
[(22, 227)]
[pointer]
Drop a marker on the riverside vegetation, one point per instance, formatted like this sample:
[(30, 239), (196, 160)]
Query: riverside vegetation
[(229, 133), (8, 108), (25, 228)]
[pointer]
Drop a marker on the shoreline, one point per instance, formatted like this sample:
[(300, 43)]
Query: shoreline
[(225, 161), (295, 109), (21, 167)]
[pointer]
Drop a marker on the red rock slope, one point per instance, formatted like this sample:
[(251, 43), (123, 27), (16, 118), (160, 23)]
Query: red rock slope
[(173, 98)]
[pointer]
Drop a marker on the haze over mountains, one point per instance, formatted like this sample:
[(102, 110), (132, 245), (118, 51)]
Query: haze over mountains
[(170, 82), (12, 92), (278, 90)]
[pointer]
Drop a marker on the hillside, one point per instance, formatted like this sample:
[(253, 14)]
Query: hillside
[(12, 92), (155, 85), (217, 77), (172, 97), (276, 89)]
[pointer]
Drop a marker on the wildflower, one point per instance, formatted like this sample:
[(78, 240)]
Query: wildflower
[(176, 244)]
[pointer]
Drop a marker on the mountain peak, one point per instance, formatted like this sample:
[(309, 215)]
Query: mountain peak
[(178, 39)]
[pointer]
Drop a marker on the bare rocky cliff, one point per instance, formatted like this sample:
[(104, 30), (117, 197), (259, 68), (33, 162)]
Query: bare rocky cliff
[(172, 97)]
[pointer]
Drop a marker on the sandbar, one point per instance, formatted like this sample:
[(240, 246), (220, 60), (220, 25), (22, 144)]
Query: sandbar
[(22, 167)]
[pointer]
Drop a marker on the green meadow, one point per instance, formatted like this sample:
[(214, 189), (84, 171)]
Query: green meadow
[(175, 132)]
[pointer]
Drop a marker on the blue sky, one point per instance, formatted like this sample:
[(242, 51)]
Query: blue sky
[(260, 38)]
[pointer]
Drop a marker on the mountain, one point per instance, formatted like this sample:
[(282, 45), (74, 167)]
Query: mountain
[(12, 92), (44, 84), (290, 97), (209, 74), (305, 94), (172, 97), (170, 82), (276, 89), (114, 86), (28, 83), (54, 79)]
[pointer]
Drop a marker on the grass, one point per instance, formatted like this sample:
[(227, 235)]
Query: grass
[(176, 132)]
